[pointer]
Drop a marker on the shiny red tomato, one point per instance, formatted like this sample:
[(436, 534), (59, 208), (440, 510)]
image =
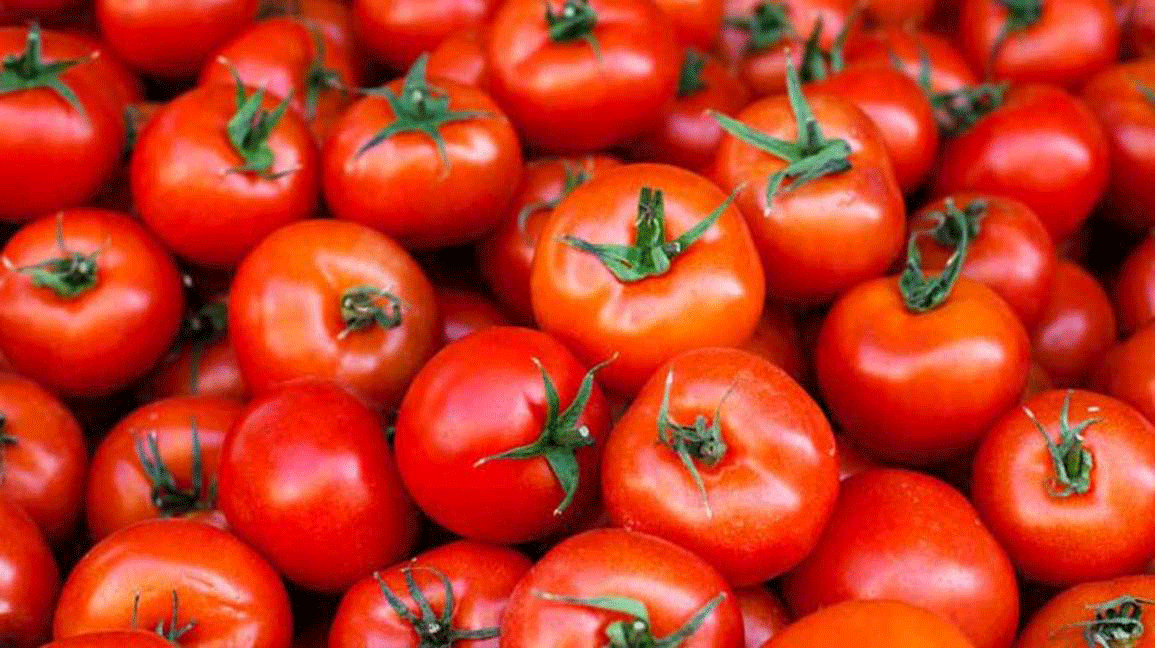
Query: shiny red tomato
[(1077, 327), (1095, 614), (398, 31), (114, 77), (763, 614), (463, 312), (1128, 372), (461, 58), (113, 639), (29, 579), (333, 17), (1134, 291), (871, 624), (921, 54)]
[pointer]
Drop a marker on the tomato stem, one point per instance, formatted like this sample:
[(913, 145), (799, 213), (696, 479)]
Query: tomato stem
[(250, 127), (701, 441), (166, 496), (636, 632), (318, 78), (361, 308), (1071, 459), (650, 255), (576, 21), (920, 293), (174, 632), (958, 111), (1118, 623), (949, 232), (819, 64), (561, 435), (768, 25), (68, 275), (690, 77), (433, 631), (575, 176), (28, 70)]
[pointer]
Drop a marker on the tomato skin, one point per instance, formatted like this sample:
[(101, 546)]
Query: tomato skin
[(564, 97), (440, 432), (31, 579), (871, 624), (672, 582), (778, 339), (461, 58), (1134, 291), (1128, 372), (396, 32), (697, 23), (1071, 41), (506, 254), (906, 536), (763, 614), (949, 71), (55, 157), (115, 77), (1137, 27), (818, 240), (481, 575), (717, 278), (209, 370), (1043, 147), (114, 639), (118, 329), (300, 274), (1012, 254), (171, 39), (43, 470), (325, 529), (1077, 327), (463, 312), (232, 593), (1056, 624), (402, 187), (773, 489)]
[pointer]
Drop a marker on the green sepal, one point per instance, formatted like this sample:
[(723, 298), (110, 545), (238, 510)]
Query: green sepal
[(165, 495), (636, 632), (958, 111), (318, 78), (701, 441), (249, 129), (576, 21), (361, 307), (1021, 14), (948, 231), (690, 76), (575, 176), (921, 293), (768, 25), (28, 70), (1070, 458), (69, 275), (1118, 623), (433, 630)]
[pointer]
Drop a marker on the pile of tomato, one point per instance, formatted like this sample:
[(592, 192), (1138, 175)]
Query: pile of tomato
[(577, 323)]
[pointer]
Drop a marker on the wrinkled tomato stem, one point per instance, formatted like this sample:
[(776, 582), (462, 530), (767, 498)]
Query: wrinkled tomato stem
[(921, 293), (433, 630)]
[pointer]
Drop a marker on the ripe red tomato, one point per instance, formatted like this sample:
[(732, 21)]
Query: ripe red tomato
[(171, 38), (97, 280), (328, 526), (1065, 485), (430, 165), (29, 582), (918, 53), (1077, 327), (161, 460), (608, 280), (906, 536), (1134, 292), (1095, 614), (1128, 372), (614, 583), (463, 312), (61, 132), (363, 312), (192, 581), (461, 58), (724, 454), (396, 32), (1063, 42), (584, 74), (219, 168), (506, 254), (763, 614), (453, 595), (113, 639), (697, 23), (871, 624), (518, 476), (202, 363), (1041, 146)]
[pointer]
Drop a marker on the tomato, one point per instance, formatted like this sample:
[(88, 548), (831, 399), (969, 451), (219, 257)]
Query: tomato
[(1123, 98), (29, 579), (160, 461), (1070, 506), (89, 301), (688, 136), (1041, 146), (1128, 372), (521, 433), (171, 38), (700, 285), (1134, 291), (1108, 612), (290, 58), (763, 614), (917, 53), (1077, 327), (871, 624), (463, 312), (323, 529), (42, 456), (363, 312), (899, 12), (192, 581), (429, 165), (461, 58), (220, 168), (113, 639), (906, 536), (202, 363), (1040, 41), (453, 595), (614, 583), (584, 74), (61, 132), (825, 217), (396, 32), (724, 454), (777, 338), (1010, 250), (506, 254), (697, 23)]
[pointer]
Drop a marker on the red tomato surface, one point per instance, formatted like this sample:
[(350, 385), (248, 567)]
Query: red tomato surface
[(697, 23), (871, 624), (1134, 291), (1077, 327), (918, 52), (763, 614), (29, 579), (1128, 372), (463, 312), (1080, 616), (461, 58), (396, 32), (113, 639)]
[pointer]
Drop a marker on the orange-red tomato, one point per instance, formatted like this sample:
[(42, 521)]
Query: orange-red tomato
[(871, 624), (1095, 614), (29, 579)]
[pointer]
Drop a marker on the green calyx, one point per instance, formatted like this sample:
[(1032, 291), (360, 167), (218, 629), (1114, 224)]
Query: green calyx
[(364, 306), (28, 70), (249, 129), (690, 80), (420, 107), (69, 275), (433, 630), (701, 441), (1070, 458), (1021, 14), (651, 255), (809, 157), (200, 329), (1118, 623), (958, 111), (171, 631), (170, 499), (819, 64), (921, 293), (949, 230), (561, 435), (576, 21), (636, 631), (575, 176), (768, 25), (318, 78)]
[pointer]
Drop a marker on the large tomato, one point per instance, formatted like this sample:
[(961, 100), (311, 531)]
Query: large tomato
[(29, 579), (328, 525), (643, 262), (89, 301), (628, 587), (871, 624), (579, 76), (1128, 372), (1134, 291), (724, 454), (1077, 327), (1099, 613), (396, 32)]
